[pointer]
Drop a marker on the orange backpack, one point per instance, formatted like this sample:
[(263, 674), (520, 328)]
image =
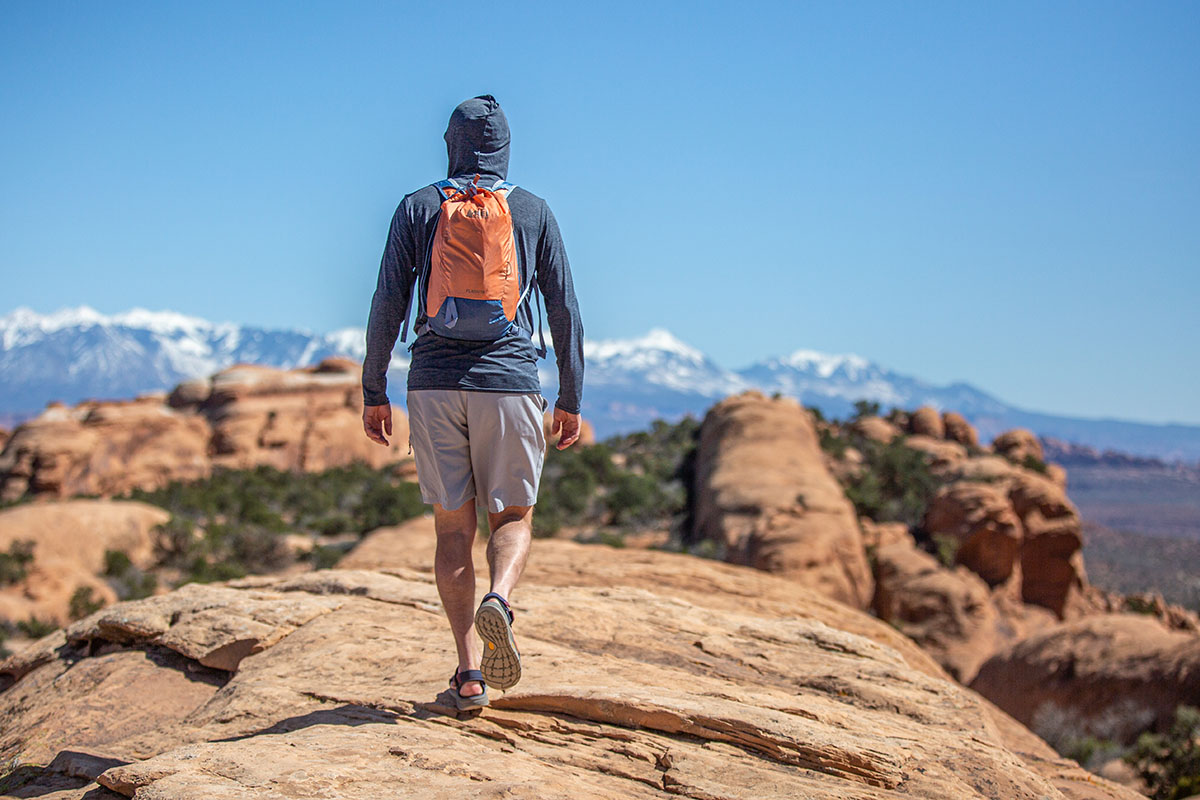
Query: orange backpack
[(471, 267)]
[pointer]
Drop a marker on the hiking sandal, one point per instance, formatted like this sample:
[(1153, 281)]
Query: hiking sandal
[(501, 665), (474, 701)]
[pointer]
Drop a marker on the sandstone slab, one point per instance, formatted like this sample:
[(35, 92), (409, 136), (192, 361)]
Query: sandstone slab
[(628, 692)]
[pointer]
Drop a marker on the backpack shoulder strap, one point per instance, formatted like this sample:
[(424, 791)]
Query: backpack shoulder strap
[(503, 186), (446, 188)]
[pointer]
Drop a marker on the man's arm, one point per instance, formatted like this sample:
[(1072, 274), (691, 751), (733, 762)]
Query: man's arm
[(562, 311), (389, 306)]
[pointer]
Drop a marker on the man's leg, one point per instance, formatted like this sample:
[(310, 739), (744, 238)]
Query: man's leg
[(508, 547), (455, 575)]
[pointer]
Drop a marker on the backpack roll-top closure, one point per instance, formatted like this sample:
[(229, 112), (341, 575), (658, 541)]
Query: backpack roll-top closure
[(474, 282)]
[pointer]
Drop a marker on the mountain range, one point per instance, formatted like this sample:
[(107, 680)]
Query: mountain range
[(76, 354)]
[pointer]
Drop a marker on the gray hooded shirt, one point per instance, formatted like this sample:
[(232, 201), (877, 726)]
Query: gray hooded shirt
[(477, 143)]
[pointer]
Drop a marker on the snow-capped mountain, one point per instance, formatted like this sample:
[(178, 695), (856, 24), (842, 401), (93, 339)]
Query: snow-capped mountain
[(77, 354)]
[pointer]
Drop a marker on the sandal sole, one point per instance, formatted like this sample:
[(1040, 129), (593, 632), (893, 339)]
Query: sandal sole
[(501, 665)]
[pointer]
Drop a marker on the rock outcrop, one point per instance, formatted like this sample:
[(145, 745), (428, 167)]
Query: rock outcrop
[(926, 421), (764, 492), (1018, 445), (1012, 523), (1108, 675), (981, 520), (304, 419), (949, 613), (69, 540), (332, 684), (959, 430)]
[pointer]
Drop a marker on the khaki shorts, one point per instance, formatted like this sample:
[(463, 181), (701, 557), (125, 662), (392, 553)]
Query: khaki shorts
[(486, 445)]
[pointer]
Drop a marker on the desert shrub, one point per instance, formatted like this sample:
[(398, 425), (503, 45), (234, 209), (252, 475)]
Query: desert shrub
[(83, 602), (230, 524), (895, 484), (638, 500), (946, 549), (1169, 763), (324, 556), (865, 408), (14, 565), (1034, 464), (116, 563), (633, 480), (35, 628), (1091, 752), (833, 444)]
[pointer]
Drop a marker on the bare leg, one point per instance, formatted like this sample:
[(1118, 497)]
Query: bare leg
[(508, 547), (455, 575)]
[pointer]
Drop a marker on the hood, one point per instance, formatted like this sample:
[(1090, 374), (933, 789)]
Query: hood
[(477, 138)]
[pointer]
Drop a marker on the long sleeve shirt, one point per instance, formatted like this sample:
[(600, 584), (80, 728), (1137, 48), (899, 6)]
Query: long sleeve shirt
[(508, 364)]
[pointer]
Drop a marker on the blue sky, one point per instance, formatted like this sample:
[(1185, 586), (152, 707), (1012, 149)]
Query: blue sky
[(1002, 193)]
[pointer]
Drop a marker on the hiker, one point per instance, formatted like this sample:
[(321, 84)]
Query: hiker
[(474, 400)]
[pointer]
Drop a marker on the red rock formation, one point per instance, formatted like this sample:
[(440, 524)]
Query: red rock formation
[(764, 492), (876, 429), (305, 419), (981, 519), (926, 421), (69, 542), (1107, 675), (948, 612), (959, 430), (1017, 445)]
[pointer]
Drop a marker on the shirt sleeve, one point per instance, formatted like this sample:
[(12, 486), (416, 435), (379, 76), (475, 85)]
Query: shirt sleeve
[(389, 306), (562, 311)]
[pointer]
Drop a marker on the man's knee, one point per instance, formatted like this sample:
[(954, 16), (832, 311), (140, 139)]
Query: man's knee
[(498, 519)]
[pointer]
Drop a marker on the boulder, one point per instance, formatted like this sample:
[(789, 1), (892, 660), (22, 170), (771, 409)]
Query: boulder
[(926, 421), (943, 455), (880, 534), (876, 429), (246, 416), (1018, 445), (763, 491), (959, 430), (741, 684), (949, 613), (69, 542), (1106, 675), (979, 517), (1051, 557)]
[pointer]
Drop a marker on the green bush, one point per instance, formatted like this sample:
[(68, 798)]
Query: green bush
[(14, 565), (83, 602), (1033, 463), (633, 480), (895, 484), (946, 549), (865, 408), (116, 563), (1170, 763), (35, 628), (230, 524)]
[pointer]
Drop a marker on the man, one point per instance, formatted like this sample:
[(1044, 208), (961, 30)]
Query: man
[(475, 407)]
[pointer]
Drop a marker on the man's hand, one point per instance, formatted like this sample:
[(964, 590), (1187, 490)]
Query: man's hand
[(376, 420), (565, 427)]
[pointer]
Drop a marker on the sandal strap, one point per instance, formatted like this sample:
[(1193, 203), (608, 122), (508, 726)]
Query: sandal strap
[(466, 676), (503, 604)]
